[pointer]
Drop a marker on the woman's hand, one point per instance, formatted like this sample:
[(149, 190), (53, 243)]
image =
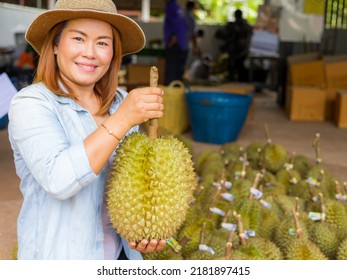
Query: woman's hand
[(146, 246), (140, 105)]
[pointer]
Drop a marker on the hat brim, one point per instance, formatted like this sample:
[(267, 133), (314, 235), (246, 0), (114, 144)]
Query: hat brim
[(132, 36)]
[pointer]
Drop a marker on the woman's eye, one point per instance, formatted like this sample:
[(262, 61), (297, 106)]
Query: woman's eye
[(103, 43), (78, 39)]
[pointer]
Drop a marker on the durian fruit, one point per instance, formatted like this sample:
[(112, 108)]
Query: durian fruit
[(151, 185), (304, 249), (255, 247), (342, 251), (254, 151), (325, 236), (336, 214), (302, 164), (231, 151), (273, 156)]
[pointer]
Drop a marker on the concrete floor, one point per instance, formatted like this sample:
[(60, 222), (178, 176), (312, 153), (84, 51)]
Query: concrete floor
[(297, 137)]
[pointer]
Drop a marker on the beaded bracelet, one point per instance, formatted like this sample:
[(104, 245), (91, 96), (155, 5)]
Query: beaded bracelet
[(110, 132)]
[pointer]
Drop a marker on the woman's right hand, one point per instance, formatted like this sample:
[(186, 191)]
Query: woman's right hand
[(140, 105)]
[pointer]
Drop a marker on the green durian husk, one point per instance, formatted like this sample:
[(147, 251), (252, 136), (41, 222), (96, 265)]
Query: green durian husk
[(254, 151), (325, 236), (303, 249), (151, 186), (342, 251), (273, 157), (302, 164)]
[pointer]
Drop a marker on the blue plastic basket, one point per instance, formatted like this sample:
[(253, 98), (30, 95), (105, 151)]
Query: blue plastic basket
[(4, 122), (217, 117)]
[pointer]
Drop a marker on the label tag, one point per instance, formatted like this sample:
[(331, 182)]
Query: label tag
[(227, 196), (316, 216), (229, 226), (217, 211), (203, 247), (257, 193), (265, 204), (174, 244)]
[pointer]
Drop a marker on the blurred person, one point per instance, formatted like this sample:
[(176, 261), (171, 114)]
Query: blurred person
[(175, 41)]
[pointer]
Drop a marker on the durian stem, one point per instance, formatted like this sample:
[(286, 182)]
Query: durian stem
[(241, 229), (297, 223), (153, 123), (338, 188), (244, 165), (227, 215), (184, 241), (255, 183), (229, 245), (267, 134), (297, 205), (202, 233), (322, 205), (213, 201), (316, 145)]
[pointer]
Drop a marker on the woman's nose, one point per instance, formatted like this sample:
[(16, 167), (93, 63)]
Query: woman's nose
[(89, 50)]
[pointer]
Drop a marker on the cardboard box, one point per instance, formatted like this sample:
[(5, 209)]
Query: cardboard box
[(340, 117), (307, 104), (308, 74), (297, 66)]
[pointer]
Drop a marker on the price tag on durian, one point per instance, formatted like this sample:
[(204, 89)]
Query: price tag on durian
[(227, 196), (229, 226), (257, 193), (312, 181), (265, 203), (217, 211), (288, 166), (228, 185), (316, 216), (293, 181), (174, 244), (203, 247), (340, 197)]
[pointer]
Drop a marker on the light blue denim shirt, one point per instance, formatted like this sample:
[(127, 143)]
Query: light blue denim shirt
[(60, 216)]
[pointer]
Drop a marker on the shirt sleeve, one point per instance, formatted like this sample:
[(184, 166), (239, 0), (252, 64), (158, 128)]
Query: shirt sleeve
[(61, 168)]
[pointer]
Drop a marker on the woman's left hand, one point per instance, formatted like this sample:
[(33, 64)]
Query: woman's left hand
[(146, 246)]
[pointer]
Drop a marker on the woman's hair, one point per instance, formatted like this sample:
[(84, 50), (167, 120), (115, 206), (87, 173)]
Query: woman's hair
[(48, 71)]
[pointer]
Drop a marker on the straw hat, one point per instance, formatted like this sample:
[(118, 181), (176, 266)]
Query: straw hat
[(132, 36)]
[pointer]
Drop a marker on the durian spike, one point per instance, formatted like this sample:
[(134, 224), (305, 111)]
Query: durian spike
[(241, 230), (267, 134), (316, 145), (153, 123), (297, 223), (323, 206), (229, 245)]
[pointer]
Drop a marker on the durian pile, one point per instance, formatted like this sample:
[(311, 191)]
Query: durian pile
[(260, 202)]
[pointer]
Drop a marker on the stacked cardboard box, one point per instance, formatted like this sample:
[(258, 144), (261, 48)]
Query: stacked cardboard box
[(306, 95)]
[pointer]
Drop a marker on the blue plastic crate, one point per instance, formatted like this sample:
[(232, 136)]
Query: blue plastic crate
[(217, 117)]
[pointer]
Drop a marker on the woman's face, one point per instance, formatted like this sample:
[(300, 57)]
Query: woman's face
[(84, 51)]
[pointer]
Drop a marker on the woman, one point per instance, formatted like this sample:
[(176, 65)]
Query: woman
[(65, 127)]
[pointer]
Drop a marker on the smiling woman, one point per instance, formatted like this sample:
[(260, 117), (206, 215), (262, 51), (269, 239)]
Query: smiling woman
[(63, 152)]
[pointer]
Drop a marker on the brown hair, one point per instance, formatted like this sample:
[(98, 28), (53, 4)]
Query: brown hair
[(48, 71)]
